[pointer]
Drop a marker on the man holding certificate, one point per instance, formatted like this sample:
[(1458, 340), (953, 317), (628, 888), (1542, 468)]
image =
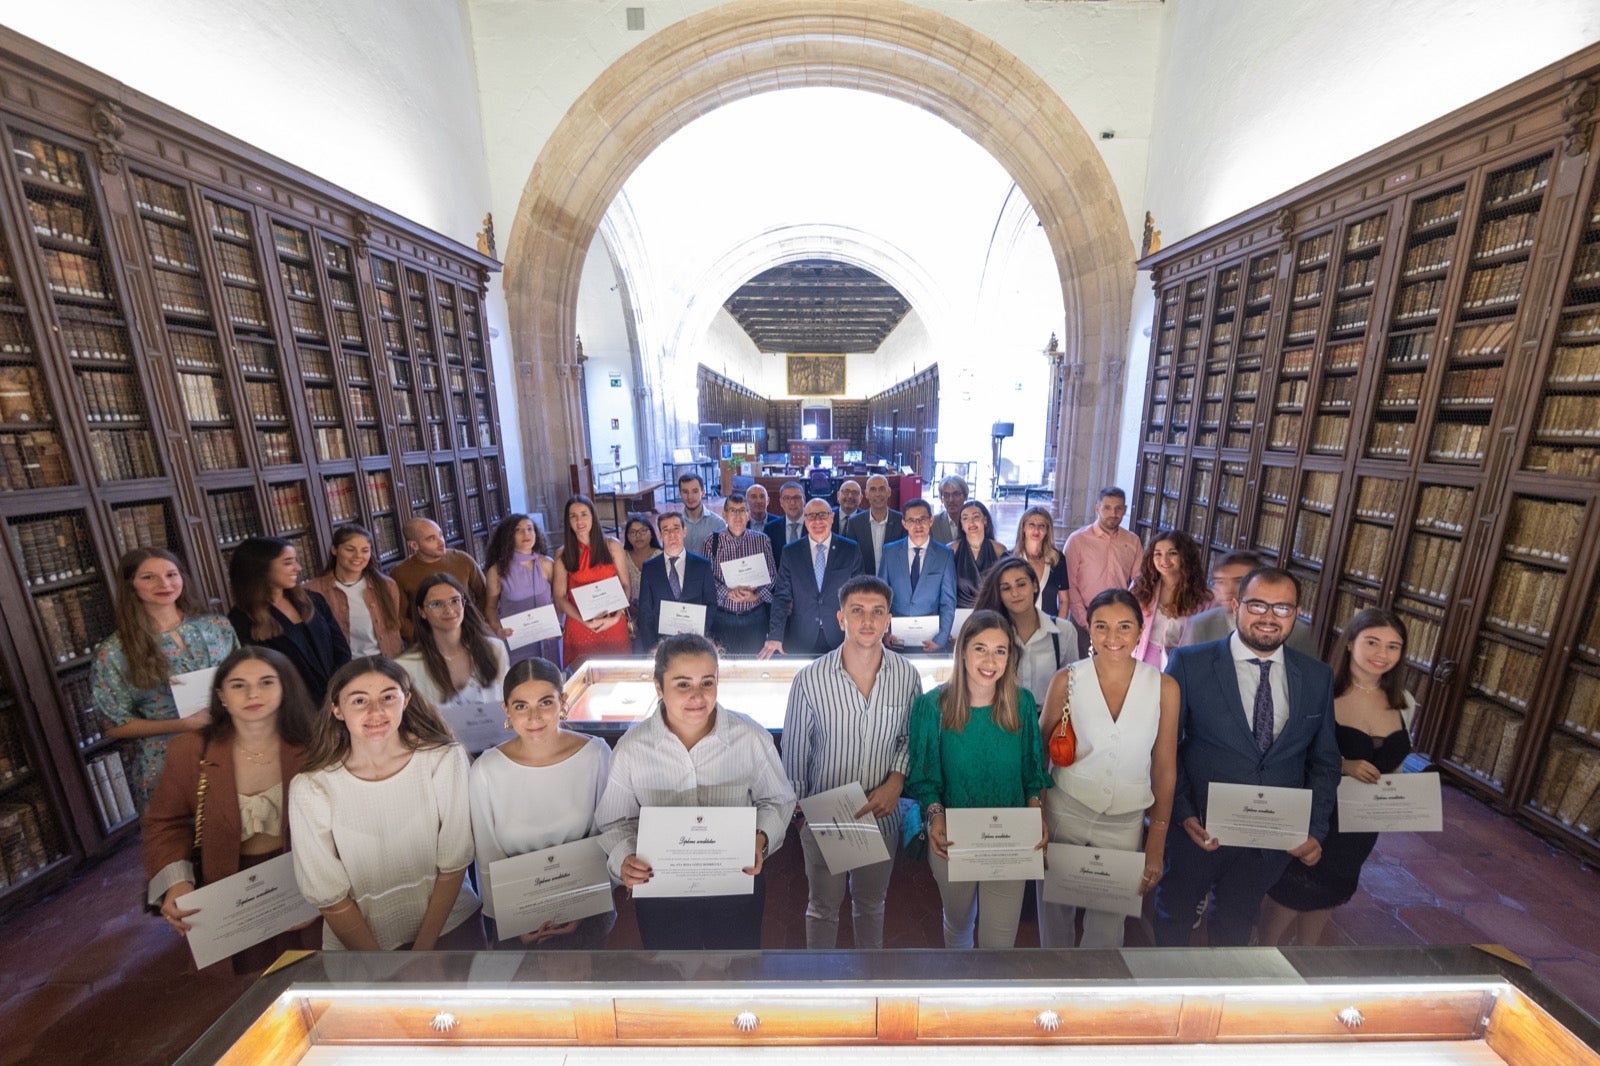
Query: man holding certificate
[(671, 585), (682, 783), (1251, 713), (742, 569), (845, 735), (922, 576)]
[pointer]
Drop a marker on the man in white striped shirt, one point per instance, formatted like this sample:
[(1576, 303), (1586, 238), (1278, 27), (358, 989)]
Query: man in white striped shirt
[(847, 721)]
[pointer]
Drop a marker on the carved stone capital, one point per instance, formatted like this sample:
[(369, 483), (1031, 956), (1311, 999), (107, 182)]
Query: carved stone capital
[(105, 118), (1113, 370), (1580, 109), (1286, 223), (361, 225)]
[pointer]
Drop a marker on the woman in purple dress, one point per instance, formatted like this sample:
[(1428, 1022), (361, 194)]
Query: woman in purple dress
[(518, 579)]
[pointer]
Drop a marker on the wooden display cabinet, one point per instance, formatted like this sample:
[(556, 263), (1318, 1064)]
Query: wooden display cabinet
[(198, 343), (1397, 372)]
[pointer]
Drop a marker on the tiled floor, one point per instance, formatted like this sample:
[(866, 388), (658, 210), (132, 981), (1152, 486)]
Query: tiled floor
[(89, 978)]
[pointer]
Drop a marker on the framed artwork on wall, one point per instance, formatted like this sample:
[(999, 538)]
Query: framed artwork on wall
[(816, 375)]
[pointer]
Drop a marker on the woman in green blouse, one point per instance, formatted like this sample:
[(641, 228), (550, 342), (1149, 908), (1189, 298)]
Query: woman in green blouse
[(970, 747), (163, 631)]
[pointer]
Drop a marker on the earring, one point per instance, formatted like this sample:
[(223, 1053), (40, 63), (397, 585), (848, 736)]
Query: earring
[(508, 721)]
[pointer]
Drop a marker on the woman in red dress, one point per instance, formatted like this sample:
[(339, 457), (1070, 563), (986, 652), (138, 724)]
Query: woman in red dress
[(606, 634)]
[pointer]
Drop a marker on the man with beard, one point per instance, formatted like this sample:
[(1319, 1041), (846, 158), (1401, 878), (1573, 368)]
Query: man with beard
[(1252, 712)]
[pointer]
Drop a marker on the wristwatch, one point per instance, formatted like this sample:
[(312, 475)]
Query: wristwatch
[(932, 811)]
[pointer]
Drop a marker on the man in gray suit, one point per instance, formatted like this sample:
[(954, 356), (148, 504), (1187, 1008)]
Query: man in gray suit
[(1218, 622), (953, 495), (878, 525)]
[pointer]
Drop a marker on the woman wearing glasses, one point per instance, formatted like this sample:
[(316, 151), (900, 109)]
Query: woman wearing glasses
[(456, 662), (1171, 589), (380, 818)]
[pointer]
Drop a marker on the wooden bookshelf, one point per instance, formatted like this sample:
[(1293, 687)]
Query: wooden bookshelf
[(198, 343), (1397, 397)]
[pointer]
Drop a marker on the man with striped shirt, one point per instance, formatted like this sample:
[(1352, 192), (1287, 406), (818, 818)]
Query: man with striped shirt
[(847, 720), (738, 622)]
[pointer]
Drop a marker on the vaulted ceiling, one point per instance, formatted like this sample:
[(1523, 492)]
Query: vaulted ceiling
[(817, 305)]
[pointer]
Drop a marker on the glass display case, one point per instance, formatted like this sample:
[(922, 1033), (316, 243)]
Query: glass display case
[(605, 696), (1390, 1005)]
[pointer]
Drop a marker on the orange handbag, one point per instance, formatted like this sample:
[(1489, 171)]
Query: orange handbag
[(1064, 742)]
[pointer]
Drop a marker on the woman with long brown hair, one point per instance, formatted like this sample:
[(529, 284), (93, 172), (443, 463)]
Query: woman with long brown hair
[(163, 631), (976, 551), (1170, 586), (364, 600), (456, 661), (226, 786), (588, 556), (272, 609), (518, 578), (382, 830), (973, 744)]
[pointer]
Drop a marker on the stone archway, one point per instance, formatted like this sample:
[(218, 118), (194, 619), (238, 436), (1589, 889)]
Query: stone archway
[(752, 46)]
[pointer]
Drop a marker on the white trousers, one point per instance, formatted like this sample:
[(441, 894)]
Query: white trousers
[(869, 887), (995, 907), (1070, 822)]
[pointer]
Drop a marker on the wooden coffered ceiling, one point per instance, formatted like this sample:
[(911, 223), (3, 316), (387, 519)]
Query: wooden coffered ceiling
[(817, 305)]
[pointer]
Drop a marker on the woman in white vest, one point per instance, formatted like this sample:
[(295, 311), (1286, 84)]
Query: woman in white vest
[(1125, 717)]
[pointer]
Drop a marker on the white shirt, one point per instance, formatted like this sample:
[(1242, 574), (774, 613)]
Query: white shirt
[(517, 809), (383, 843), (471, 695), (363, 641), (734, 765), (878, 531), (1245, 666), (1039, 661)]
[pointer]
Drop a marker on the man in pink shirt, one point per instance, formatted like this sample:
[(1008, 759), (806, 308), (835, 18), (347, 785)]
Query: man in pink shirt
[(1102, 555)]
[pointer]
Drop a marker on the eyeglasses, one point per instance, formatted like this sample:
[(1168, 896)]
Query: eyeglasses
[(439, 605), (819, 517), (916, 520), (1260, 607)]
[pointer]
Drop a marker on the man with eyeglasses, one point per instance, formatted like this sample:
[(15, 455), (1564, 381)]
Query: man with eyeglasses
[(1215, 623), (953, 495), (1252, 712), (788, 527), (921, 574), (805, 599)]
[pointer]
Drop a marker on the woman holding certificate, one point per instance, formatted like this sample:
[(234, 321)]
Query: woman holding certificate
[(163, 633), (519, 579), (589, 557), (380, 818), (1124, 716), (456, 663), (694, 753), (1372, 720), (537, 791), (228, 781), (973, 745), (364, 601)]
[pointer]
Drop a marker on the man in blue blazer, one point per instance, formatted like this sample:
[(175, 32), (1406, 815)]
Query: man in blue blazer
[(691, 572), (1252, 712), (934, 589), (805, 610)]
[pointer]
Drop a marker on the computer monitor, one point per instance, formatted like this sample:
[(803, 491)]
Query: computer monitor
[(827, 462), (855, 457)]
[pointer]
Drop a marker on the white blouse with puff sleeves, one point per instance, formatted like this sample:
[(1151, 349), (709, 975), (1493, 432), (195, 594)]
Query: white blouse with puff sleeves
[(382, 843)]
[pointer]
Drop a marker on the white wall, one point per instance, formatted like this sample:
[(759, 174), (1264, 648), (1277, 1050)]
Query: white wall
[(602, 323)]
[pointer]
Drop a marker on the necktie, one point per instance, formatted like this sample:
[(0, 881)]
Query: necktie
[(1261, 723), (916, 567), (821, 564), (794, 532), (673, 580)]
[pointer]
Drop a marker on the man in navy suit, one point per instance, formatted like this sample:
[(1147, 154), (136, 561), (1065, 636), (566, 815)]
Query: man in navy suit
[(805, 600), (922, 576), (675, 575), (878, 525), (1252, 712), (849, 495), (787, 527)]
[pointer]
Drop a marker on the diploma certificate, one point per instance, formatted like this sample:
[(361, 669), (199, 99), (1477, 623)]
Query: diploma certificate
[(241, 911), (599, 598), (750, 572), (479, 726), (1259, 816), (846, 842), (559, 884), (1097, 878), (995, 843), (697, 851), (962, 614), (1397, 803), (681, 618), (528, 627), (915, 629), (191, 692)]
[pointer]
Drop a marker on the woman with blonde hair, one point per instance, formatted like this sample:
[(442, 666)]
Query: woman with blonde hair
[(162, 630), (1036, 543), (364, 600), (380, 818)]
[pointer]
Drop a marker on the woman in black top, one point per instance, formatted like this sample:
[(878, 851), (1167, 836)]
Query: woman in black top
[(976, 552), (271, 609)]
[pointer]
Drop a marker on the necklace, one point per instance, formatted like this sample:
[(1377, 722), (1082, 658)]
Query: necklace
[(260, 758), (349, 584), (1365, 688)]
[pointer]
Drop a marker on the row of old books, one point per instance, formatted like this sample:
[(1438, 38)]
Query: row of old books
[(245, 307), (343, 503), (1486, 739), (1505, 672), (1392, 439), (298, 280), (266, 401), (1367, 552), (1581, 704), (1400, 391), (1419, 300), (60, 220), (1351, 314), (1378, 497), (1302, 326), (235, 263), (1567, 461), (1457, 442), (1277, 483), (235, 515), (1495, 286), (1586, 267), (75, 620), (306, 320), (181, 295), (1568, 418), (1269, 528), (1523, 181), (217, 449), (1424, 629), (1567, 791), (124, 456), (229, 221), (379, 490), (23, 849), (113, 798), (1283, 432), (332, 443), (1308, 285), (1446, 207), (13, 758), (322, 405), (1480, 385), (71, 274), (15, 337), (96, 342), (1292, 393), (171, 246), (1255, 329), (38, 158), (277, 447), (1311, 537), (53, 549), (1484, 340), (160, 198), (291, 242), (289, 505), (1410, 348), (1430, 565), (1508, 234), (1544, 529), (1427, 256), (1344, 356), (1366, 234), (1314, 251), (141, 525), (204, 398), (1575, 365), (1525, 599), (1321, 488), (22, 396), (32, 460), (111, 396), (1445, 507), (194, 351)]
